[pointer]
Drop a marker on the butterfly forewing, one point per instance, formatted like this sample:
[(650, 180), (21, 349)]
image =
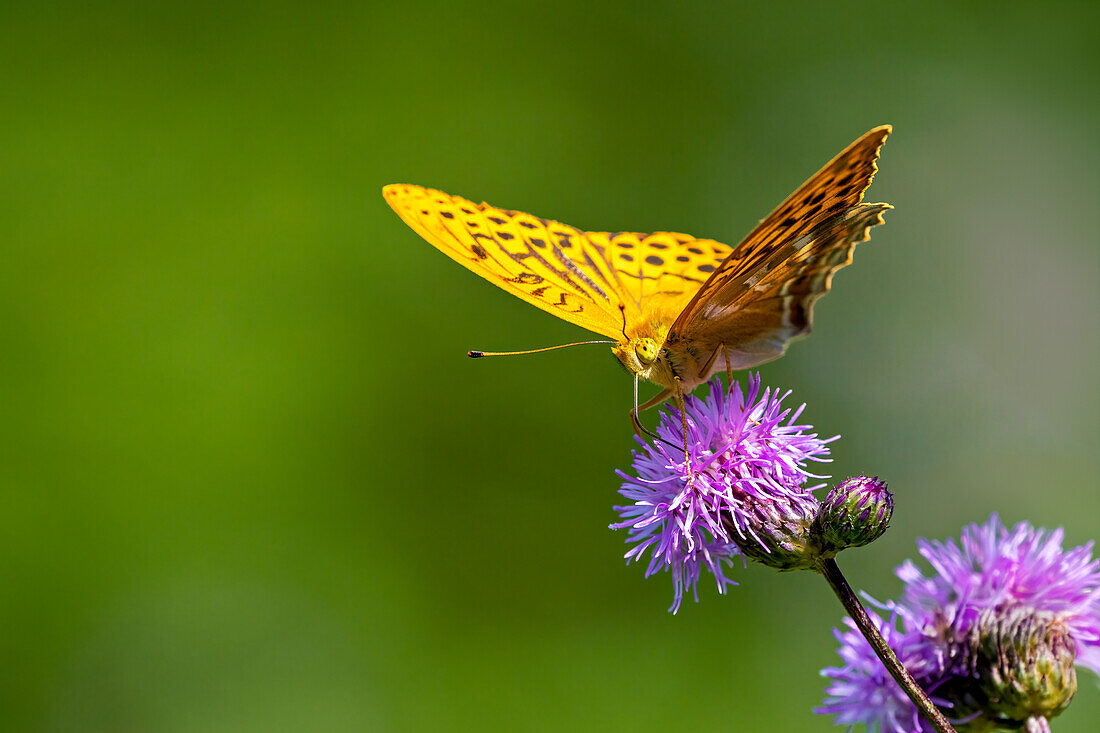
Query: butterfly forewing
[(539, 261), (830, 193), (762, 295)]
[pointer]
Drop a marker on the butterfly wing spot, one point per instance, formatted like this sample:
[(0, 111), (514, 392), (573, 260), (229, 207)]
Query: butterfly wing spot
[(655, 260), (562, 304), (757, 276)]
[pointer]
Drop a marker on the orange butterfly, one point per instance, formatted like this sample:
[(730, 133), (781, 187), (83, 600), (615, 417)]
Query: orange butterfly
[(679, 308)]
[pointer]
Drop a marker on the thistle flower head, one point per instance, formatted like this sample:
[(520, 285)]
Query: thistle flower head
[(1022, 665), (777, 531), (992, 634), (744, 472)]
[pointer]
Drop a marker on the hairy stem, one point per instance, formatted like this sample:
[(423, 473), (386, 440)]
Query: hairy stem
[(893, 665)]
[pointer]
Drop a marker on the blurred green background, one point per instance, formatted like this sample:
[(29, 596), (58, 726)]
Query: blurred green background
[(251, 483)]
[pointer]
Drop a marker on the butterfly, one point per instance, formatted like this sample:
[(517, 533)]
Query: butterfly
[(678, 308)]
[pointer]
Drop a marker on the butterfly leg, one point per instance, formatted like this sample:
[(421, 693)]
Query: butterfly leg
[(729, 369), (683, 417), (722, 349), (729, 374)]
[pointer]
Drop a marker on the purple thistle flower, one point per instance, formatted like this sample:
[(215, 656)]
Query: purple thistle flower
[(744, 451), (992, 573), (994, 568)]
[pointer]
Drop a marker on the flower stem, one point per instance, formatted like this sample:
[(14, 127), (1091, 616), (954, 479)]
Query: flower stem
[(893, 665)]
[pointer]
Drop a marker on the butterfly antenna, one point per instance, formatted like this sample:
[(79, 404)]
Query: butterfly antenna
[(479, 354)]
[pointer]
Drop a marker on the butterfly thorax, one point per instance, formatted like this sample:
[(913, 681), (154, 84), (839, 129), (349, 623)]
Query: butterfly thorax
[(652, 349)]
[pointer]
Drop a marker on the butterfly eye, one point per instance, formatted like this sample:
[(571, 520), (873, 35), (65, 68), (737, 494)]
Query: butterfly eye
[(646, 349)]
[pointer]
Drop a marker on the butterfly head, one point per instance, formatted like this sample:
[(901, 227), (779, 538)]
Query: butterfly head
[(639, 355)]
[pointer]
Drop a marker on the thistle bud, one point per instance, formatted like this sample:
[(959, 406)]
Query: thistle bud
[(1023, 663), (855, 513), (776, 530)]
